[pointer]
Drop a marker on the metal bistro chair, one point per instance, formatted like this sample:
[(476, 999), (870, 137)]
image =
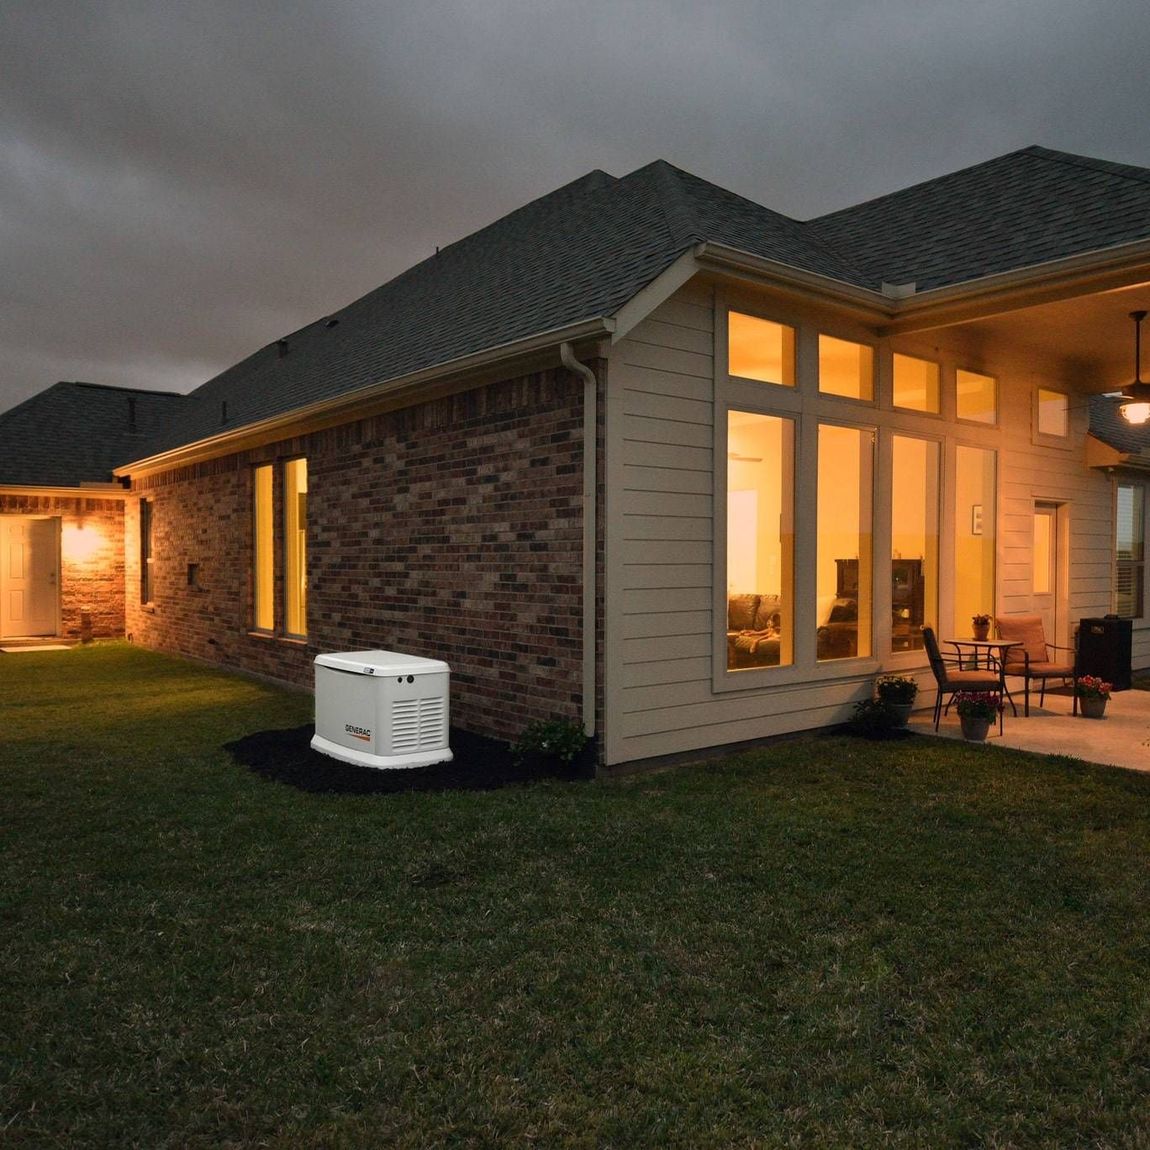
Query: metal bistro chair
[(951, 678), (1035, 658)]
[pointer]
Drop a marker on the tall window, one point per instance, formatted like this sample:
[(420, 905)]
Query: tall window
[(264, 581), (1129, 551), (846, 368), (845, 486), (760, 349), (1053, 413), (913, 540), (974, 535), (145, 551), (915, 383), (760, 540), (295, 547)]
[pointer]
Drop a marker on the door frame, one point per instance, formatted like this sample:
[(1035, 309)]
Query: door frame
[(57, 564)]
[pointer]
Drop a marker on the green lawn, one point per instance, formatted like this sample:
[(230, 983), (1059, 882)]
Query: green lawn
[(828, 943)]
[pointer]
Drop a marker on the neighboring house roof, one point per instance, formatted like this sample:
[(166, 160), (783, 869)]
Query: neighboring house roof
[(583, 251), (74, 433), (1108, 426)]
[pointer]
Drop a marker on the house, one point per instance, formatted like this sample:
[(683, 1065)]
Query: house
[(651, 456)]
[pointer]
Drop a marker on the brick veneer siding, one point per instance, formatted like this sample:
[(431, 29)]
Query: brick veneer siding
[(451, 529), (91, 558)]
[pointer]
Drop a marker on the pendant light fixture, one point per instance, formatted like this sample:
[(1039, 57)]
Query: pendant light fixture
[(1135, 407)]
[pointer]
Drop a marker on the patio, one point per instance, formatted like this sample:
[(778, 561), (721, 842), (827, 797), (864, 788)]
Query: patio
[(1121, 739)]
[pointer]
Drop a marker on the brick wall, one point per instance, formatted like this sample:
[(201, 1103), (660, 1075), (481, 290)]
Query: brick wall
[(452, 529), (91, 558)]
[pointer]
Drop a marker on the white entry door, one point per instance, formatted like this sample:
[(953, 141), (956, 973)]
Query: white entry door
[(29, 576)]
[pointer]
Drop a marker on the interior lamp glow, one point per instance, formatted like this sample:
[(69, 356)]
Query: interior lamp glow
[(1136, 408)]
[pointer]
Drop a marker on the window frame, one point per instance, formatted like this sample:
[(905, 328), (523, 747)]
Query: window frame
[(147, 552), (1137, 566), (288, 606), (263, 550)]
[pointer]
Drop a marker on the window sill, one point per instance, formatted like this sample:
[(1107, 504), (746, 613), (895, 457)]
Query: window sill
[(270, 637)]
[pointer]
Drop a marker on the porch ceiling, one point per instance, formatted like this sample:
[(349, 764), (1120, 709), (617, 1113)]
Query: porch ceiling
[(1088, 340)]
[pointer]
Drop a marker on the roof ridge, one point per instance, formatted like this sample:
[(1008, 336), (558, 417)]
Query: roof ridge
[(118, 387), (682, 226), (1072, 159)]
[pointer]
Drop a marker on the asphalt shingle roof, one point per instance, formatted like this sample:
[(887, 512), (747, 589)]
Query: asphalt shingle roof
[(73, 433), (583, 251)]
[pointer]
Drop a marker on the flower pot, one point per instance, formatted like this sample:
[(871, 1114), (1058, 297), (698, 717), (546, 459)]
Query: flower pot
[(981, 631), (974, 729), (900, 712), (1092, 706)]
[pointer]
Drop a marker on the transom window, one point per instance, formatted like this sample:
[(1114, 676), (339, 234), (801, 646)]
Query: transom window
[(976, 396), (1053, 413), (760, 349), (915, 383), (846, 368)]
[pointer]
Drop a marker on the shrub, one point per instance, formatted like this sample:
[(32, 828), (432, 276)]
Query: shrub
[(560, 739), (896, 688)]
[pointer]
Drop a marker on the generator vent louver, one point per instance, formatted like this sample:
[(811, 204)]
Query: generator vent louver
[(382, 709), (418, 723)]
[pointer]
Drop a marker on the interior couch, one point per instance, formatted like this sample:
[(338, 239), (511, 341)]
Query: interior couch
[(753, 626)]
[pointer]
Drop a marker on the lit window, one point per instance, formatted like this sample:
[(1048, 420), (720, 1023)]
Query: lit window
[(977, 397), (846, 368), (843, 556), (915, 383), (760, 349), (913, 540), (295, 547), (1129, 551), (975, 494), (264, 581), (760, 540), (146, 551), (1053, 413)]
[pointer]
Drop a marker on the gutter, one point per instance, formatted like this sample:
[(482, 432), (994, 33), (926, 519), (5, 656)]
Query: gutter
[(85, 491), (590, 535), (357, 404)]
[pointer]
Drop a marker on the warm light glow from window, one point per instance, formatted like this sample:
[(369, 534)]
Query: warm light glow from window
[(760, 540), (760, 349), (913, 540), (977, 396), (845, 486), (80, 542), (1053, 413), (915, 383), (264, 581), (295, 547), (846, 368), (975, 497)]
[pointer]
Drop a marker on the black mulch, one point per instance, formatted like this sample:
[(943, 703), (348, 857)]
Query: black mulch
[(480, 764)]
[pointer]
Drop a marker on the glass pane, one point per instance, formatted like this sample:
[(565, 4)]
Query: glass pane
[(295, 546), (760, 540), (1043, 552), (974, 536), (846, 368), (977, 397), (760, 349), (914, 540), (1129, 549), (843, 573), (264, 581), (915, 383), (145, 550), (1053, 413)]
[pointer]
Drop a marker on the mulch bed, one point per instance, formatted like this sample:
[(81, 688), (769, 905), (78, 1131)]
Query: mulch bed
[(480, 764)]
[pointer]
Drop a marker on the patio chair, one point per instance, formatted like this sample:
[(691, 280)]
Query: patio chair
[(1035, 658), (952, 678)]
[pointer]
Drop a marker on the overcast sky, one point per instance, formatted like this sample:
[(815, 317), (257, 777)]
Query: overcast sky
[(181, 183)]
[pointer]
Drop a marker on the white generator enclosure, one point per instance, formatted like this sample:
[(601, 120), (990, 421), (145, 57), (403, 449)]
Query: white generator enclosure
[(382, 709)]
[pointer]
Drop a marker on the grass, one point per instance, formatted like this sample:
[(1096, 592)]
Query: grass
[(828, 943)]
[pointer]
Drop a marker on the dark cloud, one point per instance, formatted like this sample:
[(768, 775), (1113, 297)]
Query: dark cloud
[(181, 183)]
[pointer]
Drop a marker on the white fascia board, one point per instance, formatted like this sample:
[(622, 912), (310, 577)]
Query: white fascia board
[(658, 291), (350, 405)]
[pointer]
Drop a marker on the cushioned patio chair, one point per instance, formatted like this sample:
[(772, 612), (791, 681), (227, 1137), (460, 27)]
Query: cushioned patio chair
[(1035, 658), (952, 678)]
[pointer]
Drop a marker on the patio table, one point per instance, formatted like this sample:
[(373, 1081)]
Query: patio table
[(986, 650)]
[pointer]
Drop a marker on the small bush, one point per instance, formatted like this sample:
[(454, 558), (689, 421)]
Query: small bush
[(560, 739), (896, 688), (873, 719)]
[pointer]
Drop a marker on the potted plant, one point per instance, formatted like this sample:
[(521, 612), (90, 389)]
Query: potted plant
[(1093, 694), (980, 626), (976, 711), (897, 693)]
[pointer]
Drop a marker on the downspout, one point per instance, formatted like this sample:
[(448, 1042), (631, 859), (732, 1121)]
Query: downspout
[(590, 539)]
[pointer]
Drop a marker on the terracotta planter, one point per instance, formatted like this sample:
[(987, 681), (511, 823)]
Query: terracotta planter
[(981, 631), (974, 729), (1092, 706)]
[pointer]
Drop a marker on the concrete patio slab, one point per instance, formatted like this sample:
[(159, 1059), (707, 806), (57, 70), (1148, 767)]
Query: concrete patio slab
[(1121, 739)]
